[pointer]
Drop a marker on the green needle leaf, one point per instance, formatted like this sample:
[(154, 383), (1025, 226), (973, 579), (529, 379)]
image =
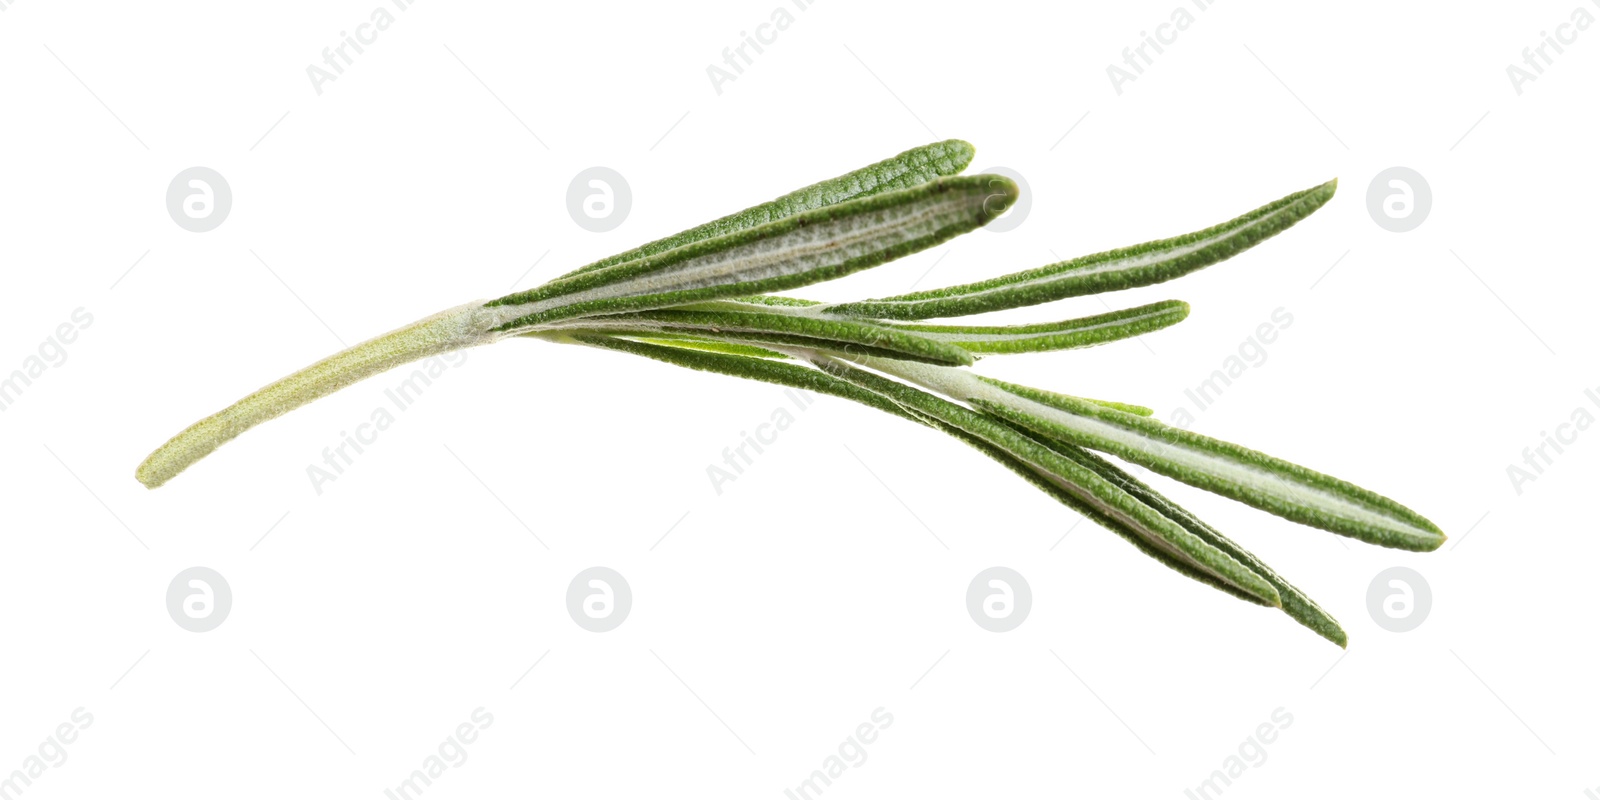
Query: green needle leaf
[(1140, 265), (914, 167), (1066, 335), (1270, 484), (1295, 603), (1143, 411), (1083, 483), (1116, 525), (806, 248)]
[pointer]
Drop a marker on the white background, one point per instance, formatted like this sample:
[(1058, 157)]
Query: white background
[(773, 619)]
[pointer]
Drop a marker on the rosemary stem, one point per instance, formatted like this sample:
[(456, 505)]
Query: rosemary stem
[(453, 329)]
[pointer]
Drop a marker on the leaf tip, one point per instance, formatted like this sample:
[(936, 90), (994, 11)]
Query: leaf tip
[(1431, 537), (1003, 194), (1307, 201), (961, 151), (148, 475)]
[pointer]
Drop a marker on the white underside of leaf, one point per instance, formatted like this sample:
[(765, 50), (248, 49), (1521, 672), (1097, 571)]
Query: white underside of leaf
[(1146, 534), (798, 251), (964, 385), (1155, 538)]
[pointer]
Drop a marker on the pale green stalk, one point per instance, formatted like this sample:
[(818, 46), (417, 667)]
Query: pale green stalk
[(463, 326)]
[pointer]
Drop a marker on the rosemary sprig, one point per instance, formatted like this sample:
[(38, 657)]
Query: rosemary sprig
[(701, 299)]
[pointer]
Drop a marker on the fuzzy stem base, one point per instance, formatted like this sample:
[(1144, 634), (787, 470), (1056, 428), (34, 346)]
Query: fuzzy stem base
[(454, 329)]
